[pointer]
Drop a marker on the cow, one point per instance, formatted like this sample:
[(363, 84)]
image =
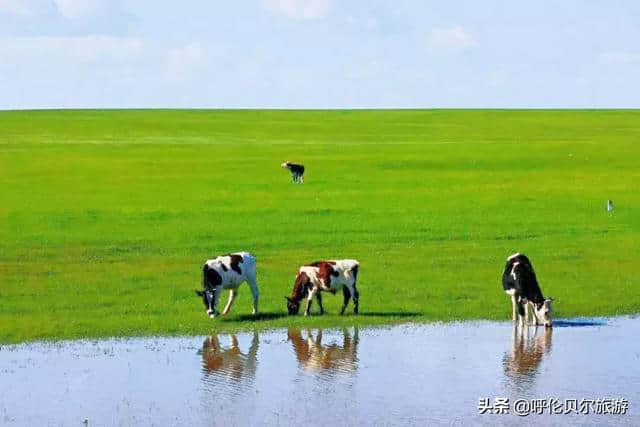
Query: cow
[(609, 205), (297, 171), (519, 281), (227, 272), (327, 276)]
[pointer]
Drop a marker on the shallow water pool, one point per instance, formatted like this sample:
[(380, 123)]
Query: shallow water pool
[(402, 375)]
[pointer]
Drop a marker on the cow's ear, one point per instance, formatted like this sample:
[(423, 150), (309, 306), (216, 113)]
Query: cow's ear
[(200, 293)]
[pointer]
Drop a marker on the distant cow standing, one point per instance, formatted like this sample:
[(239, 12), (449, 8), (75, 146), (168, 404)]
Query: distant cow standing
[(328, 276), (520, 282), (227, 272), (297, 171), (609, 205)]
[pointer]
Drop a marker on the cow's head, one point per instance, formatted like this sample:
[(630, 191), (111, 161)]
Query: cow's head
[(542, 311), (300, 290), (209, 300), (293, 306), (285, 165)]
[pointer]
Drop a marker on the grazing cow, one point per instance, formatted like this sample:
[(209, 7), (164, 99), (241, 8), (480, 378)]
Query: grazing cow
[(297, 171), (227, 272), (328, 276), (519, 281), (313, 356)]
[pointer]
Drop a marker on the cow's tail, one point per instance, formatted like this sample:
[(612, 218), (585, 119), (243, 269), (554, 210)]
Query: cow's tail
[(354, 272)]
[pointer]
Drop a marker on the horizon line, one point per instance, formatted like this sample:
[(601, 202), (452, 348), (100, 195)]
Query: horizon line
[(38, 109)]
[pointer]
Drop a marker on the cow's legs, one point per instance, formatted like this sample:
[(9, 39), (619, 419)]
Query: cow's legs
[(514, 306), (214, 302), (347, 295), (312, 293), (254, 293), (232, 297), (356, 299), (534, 318), (319, 298), (527, 314), (521, 306)]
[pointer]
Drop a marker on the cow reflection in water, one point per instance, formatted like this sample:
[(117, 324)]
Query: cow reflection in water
[(521, 365), (313, 356), (229, 361)]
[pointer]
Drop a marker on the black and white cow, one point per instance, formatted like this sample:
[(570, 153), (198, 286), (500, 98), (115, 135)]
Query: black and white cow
[(520, 282), (297, 171), (227, 272), (328, 276)]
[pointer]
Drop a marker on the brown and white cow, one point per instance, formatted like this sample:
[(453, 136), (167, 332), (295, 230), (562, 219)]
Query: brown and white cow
[(228, 272), (327, 276)]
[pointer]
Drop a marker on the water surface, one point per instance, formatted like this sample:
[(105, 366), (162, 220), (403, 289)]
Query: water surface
[(402, 375)]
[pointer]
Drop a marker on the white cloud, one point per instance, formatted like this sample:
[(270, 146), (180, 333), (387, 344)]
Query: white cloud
[(300, 9), (106, 57), (77, 9), (453, 39), (21, 7), (620, 58), (67, 71), (70, 52), (186, 62), (368, 23), (70, 9)]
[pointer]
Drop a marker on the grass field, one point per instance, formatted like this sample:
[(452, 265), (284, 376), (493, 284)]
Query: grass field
[(106, 217)]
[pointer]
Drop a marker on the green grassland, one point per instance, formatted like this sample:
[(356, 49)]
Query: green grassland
[(106, 217)]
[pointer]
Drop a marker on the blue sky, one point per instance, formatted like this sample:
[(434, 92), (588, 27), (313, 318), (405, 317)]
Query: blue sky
[(319, 54)]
